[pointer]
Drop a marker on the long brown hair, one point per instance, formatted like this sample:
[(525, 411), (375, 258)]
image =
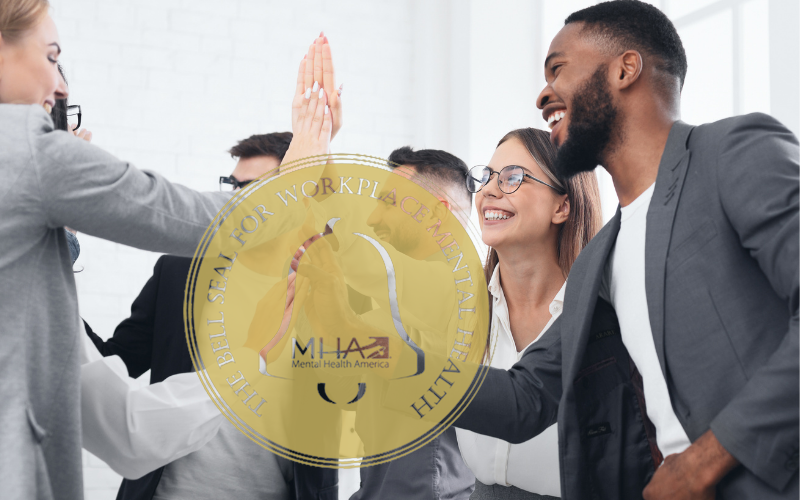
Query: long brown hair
[(585, 217), (19, 16)]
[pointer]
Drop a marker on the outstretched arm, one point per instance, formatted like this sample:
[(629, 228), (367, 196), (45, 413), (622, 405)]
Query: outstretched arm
[(520, 403), (138, 429)]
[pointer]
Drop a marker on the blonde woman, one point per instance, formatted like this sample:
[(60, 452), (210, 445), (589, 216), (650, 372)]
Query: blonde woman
[(535, 225), (51, 179)]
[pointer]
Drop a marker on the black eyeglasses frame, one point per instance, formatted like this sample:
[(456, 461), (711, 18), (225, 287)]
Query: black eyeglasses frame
[(236, 183), (73, 107), (499, 185)]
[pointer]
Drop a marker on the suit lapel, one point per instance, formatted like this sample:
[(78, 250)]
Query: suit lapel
[(660, 216), (578, 321)]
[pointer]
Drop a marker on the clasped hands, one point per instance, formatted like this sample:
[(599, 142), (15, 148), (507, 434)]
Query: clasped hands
[(321, 289)]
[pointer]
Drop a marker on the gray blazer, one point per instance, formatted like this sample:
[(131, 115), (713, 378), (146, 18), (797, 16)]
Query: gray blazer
[(51, 179), (721, 272)]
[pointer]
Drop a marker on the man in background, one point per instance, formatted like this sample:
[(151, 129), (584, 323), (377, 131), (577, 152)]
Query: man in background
[(153, 338), (436, 470)]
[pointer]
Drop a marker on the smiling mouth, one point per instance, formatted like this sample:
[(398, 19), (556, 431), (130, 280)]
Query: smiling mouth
[(494, 215), (555, 117)]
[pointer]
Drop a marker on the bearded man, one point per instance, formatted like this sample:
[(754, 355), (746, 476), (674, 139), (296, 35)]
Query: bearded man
[(679, 334)]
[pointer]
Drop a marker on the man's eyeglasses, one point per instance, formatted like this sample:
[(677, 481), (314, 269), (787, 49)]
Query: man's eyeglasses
[(231, 183), (74, 110), (509, 179)]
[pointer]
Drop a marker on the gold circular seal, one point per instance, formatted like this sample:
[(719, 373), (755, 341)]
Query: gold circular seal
[(337, 313)]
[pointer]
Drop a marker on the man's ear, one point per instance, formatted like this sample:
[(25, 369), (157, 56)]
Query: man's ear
[(442, 209), (562, 212), (628, 68)]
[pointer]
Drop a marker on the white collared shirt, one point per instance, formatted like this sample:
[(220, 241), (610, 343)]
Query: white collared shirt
[(533, 465), (136, 429)]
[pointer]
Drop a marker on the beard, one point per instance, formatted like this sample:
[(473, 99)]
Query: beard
[(592, 125)]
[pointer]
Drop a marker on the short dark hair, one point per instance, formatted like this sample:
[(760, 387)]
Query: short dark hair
[(274, 144), (632, 24), (435, 164)]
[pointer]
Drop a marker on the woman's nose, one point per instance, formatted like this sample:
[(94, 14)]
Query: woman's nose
[(62, 91), (491, 188)]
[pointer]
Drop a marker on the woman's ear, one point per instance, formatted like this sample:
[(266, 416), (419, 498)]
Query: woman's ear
[(562, 212)]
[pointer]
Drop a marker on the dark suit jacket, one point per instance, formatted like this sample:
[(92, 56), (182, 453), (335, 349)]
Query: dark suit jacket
[(721, 274), (153, 338)]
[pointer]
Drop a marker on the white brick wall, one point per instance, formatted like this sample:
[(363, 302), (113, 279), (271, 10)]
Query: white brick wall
[(170, 85)]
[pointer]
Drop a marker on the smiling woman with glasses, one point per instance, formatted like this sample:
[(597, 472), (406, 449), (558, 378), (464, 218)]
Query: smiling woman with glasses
[(535, 224)]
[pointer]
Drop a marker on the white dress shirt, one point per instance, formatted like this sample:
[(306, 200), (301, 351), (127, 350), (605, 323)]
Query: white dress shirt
[(624, 287), (136, 429), (533, 465)]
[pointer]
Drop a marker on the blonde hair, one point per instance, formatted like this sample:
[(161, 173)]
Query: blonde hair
[(20, 16), (585, 216)]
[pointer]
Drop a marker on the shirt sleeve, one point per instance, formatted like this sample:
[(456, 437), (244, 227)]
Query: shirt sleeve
[(91, 191), (138, 429)]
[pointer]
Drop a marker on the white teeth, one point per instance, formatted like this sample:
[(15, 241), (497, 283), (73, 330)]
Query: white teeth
[(490, 215), (555, 117)]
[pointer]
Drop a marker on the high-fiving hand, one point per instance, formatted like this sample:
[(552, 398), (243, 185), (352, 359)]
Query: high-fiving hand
[(319, 69), (316, 108)]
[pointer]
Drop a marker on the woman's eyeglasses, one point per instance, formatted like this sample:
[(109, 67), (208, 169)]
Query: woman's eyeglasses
[(74, 110), (509, 179), (231, 183)]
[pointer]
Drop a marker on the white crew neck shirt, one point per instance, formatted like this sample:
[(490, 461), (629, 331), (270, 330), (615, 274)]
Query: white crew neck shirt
[(533, 465), (624, 287)]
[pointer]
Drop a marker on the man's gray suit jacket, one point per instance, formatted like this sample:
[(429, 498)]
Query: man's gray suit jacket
[(721, 273), (51, 179)]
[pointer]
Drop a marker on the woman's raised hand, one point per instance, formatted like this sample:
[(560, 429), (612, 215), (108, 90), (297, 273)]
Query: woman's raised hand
[(311, 117), (319, 70), (329, 84)]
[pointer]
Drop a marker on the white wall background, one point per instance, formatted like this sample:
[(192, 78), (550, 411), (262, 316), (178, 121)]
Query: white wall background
[(170, 85)]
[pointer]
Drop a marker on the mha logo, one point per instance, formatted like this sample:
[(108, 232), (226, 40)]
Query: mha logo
[(376, 352), (378, 349)]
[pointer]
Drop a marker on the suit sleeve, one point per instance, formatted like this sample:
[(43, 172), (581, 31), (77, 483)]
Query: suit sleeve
[(133, 338), (758, 185), (518, 404), (91, 191), (98, 342)]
